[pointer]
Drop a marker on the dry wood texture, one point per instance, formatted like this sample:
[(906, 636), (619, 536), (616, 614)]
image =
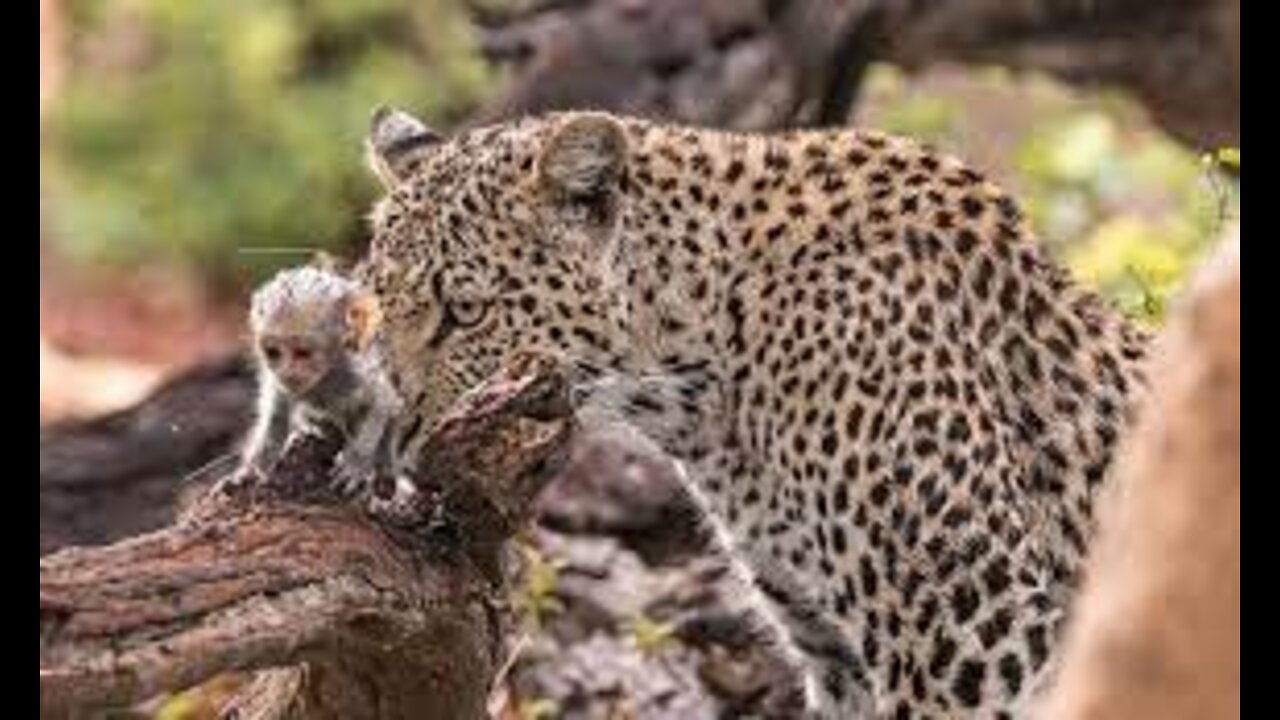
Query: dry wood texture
[(780, 63), (384, 614)]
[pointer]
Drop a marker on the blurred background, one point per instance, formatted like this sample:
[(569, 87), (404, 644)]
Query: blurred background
[(189, 149)]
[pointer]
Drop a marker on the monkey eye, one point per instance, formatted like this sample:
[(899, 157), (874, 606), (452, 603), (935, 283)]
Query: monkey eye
[(271, 352), (302, 354)]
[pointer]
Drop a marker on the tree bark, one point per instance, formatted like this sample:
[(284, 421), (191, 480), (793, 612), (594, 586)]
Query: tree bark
[(1180, 58), (378, 614), (756, 64)]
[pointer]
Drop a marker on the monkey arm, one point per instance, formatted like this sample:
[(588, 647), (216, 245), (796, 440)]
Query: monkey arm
[(272, 582), (271, 427), (373, 436), (367, 456)]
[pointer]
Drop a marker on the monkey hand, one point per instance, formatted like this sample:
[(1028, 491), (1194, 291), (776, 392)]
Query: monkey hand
[(355, 474), (245, 477)]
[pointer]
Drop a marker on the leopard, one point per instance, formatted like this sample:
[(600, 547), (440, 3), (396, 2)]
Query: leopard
[(892, 403)]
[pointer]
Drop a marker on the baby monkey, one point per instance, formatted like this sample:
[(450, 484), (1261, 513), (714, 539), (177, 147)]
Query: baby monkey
[(314, 337)]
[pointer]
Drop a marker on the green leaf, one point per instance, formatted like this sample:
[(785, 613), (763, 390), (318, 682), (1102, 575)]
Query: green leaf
[(649, 636), (1229, 157)]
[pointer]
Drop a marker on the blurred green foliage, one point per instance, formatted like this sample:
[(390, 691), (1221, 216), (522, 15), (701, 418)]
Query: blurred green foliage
[(180, 707), (537, 709), (1090, 193), (225, 133), (650, 637), (1128, 209), (1228, 158), (926, 116), (536, 599)]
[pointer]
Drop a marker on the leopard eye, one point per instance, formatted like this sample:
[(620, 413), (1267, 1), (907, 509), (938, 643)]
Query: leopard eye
[(458, 315), (464, 303), (466, 312)]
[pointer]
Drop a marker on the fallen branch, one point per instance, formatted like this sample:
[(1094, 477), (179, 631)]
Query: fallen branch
[(759, 64), (363, 615)]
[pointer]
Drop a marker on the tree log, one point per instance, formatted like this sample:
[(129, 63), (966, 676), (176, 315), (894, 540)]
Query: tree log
[(382, 613), (754, 64), (122, 474)]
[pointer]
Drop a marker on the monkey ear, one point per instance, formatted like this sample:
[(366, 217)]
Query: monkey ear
[(364, 315), (394, 143), (582, 165)]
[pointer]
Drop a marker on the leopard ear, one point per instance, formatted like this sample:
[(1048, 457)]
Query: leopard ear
[(583, 163), (363, 317), (395, 144)]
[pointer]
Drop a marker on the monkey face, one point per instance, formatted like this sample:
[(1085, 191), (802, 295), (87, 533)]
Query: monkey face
[(298, 363)]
